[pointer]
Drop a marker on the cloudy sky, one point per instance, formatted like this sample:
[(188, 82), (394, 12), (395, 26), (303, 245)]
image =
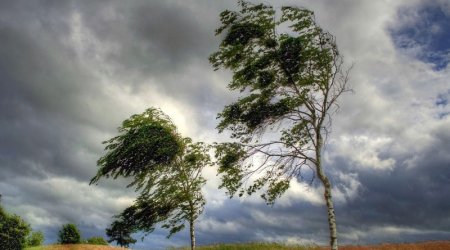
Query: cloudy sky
[(71, 71)]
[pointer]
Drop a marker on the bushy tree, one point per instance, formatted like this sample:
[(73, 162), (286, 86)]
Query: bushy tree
[(120, 231), (35, 239), (69, 234), (13, 231), (145, 142), (165, 167), (289, 72), (96, 241)]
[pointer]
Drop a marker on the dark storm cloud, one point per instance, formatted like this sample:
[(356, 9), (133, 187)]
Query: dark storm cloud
[(410, 196), (166, 42), (41, 86), (55, 111), (49, 96), (154, 39)]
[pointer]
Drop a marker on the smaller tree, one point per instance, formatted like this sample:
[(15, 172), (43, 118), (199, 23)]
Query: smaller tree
[(35, 239), (175, 197), (69, 234), (120, 231), (13, 231), (166, 167)]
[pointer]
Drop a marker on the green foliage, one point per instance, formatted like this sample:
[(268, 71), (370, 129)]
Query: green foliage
[(165, 167), (69, 234), (229, 156), (96, 241), (120, 231), (35, 239), (172, 198), (146, 142), (13, 231), (278, 70), (289, 73)]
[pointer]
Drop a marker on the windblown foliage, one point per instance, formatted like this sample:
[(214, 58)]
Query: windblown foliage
[(165, 167), (290, 83), (172, 198), (289, 73), (146, 142)]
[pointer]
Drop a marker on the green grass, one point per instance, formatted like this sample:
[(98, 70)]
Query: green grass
[(253, 246), (35, 248)]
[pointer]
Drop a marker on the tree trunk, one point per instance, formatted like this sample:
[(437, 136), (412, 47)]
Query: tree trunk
[(192, 233), (191, 224), (331, 216), (327, 195)]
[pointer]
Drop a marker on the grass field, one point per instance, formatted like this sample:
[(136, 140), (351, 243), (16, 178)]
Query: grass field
[(253, 246), (75, 247), (435, 245)]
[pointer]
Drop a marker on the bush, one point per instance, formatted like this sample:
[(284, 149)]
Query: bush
[(69, 234), (35, 239), (96, 241), (13, 231)]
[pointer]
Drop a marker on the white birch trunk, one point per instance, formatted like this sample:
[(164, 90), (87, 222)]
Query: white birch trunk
[(192, 233), (327, 195)]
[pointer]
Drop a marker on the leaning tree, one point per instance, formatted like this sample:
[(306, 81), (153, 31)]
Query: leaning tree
[(165, 167), (290, 76)]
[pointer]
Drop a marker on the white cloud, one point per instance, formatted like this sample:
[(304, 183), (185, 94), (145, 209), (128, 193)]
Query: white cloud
[(365, 151), (388, 231), (213, 226), (301, 192)]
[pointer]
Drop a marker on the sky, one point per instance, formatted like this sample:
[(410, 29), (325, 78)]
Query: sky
[(72, 71)]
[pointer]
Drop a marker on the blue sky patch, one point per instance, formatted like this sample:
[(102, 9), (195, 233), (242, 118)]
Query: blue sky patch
[(424, 32), (442, 99)]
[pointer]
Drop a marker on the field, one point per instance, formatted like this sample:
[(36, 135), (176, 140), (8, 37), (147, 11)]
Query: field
[(75, 247), (435, 245), (253, 246)]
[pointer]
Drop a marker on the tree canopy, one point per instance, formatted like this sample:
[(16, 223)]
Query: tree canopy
[(35, 239), (69, 234), (13, 231), (146, 142), (289, 73), (165, 167)]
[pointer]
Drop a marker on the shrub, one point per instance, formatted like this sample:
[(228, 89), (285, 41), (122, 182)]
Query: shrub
[(35, 239), (13, 231), (69, 234), (96, 241)]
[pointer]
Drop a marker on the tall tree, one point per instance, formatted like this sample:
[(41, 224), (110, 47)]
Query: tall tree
[(290, 74), (165, 167)]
